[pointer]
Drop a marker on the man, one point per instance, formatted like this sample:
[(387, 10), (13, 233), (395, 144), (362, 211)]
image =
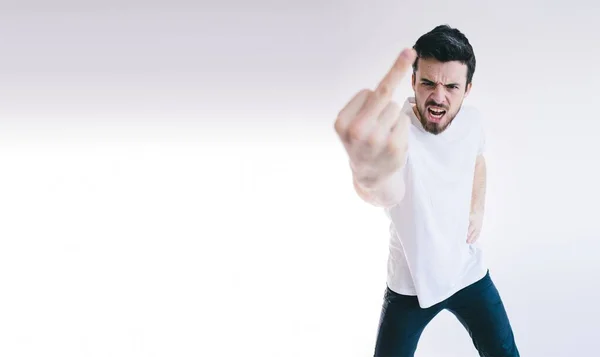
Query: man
[(423, 162)]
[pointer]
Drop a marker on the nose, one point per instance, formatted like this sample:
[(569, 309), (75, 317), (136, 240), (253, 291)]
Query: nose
[(439, 94)]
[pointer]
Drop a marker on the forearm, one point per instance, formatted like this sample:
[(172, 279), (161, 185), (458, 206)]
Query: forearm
[(385, 194), (479, 187)]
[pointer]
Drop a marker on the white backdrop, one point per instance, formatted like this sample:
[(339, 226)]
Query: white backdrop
[(171, 184)]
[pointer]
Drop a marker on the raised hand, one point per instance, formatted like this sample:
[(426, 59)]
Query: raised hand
[(373, 130)]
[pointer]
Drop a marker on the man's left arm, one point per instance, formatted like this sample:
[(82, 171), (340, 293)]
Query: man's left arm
[(477, 200)]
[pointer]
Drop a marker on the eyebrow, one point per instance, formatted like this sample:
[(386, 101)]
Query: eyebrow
[(431, 82)]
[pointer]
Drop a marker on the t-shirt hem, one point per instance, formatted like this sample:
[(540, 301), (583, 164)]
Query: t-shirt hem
[(424, 304), (431, 302), (401, 291)]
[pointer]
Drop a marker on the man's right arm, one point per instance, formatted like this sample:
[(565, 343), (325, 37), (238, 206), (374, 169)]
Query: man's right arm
[(386, 195), (374, 132)]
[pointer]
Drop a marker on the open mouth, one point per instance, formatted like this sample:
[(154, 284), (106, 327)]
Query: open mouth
[(435, 114)]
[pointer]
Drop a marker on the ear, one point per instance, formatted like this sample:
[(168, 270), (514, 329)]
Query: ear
[(414, 78), (468, 89)]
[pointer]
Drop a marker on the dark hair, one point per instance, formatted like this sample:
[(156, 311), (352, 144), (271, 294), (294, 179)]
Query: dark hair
[(446, 44)]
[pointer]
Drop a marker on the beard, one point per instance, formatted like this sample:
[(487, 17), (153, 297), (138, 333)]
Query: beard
[(431, 126)]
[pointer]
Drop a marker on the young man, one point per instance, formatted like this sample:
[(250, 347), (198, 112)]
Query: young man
[(423, 162)]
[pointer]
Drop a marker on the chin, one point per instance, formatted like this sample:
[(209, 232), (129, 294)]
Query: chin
[(436, 126)]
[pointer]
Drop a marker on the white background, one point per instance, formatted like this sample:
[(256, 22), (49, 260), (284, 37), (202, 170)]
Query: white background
[(171, 184)]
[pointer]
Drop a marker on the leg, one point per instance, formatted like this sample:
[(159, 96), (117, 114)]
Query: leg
[(401, 324), (481, 311)]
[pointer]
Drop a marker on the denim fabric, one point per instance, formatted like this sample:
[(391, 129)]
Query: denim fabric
[(478, 307)]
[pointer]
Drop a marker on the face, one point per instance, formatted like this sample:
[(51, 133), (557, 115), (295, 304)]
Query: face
[(440, 88)]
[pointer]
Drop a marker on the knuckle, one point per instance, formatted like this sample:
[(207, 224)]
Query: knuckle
[(365, 91), (401, 125), (378, 137), (403, 118), (339, 125), (373, 140), (354, 132), (392, 148), (384, 91), (394, 106), (395, 148)]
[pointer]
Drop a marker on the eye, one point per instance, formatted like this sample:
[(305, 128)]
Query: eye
[(452, 86)]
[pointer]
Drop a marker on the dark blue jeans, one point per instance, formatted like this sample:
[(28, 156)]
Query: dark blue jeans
[(478, 307)]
